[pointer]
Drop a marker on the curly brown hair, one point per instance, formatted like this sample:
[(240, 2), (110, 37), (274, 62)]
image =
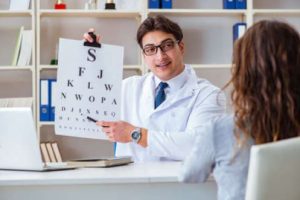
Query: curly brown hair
[(266, 82)]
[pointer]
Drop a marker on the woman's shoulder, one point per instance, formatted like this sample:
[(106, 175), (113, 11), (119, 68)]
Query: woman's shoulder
[(224, 122)]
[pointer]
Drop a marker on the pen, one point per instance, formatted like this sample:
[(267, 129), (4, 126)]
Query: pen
[(91, 119)]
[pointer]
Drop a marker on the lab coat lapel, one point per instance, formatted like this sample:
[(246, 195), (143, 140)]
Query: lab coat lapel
[(147, 97)]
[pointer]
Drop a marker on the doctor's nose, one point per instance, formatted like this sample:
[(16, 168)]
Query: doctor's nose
[(160, 54)]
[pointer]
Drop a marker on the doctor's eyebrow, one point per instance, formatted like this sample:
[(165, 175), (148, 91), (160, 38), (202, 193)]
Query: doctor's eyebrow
[(158, 44)]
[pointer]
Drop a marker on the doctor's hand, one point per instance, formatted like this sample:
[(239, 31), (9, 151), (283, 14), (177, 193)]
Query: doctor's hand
[(88, 38), (118, 131)]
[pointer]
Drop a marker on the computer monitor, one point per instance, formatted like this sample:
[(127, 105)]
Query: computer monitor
[(19, 144)]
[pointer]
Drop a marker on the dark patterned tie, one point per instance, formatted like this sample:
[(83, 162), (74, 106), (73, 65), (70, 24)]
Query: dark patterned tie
[(161, 95)]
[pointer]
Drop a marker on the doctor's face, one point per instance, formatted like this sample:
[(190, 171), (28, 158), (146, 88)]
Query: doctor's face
[(163, 54)]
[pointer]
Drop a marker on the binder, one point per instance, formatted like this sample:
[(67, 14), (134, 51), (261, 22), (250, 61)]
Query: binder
[(229, 4), (44, 100), (167, 4), (52, 94), (154, 4), (241, 4), (238, 30)]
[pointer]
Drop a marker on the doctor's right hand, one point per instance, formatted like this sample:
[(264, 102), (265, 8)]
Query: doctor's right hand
[(88, 38)]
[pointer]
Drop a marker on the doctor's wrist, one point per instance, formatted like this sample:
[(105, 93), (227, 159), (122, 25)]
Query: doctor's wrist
[(139, 136), (144, 138)]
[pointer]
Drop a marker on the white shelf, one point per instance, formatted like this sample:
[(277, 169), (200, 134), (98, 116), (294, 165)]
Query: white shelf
[(54, 67), (191, 12), (16, 68), (211, 66), (47, 67), (46, 123), (277, 11), (89, 13), (10, 13), (139, 67)]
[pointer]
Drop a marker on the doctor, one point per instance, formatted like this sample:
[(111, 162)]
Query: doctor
[(161, 109)]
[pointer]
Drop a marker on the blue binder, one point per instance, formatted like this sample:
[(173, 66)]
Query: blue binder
[(52, 90), (167, 4), (229, 4), (238, 30), (241, 4), (44, 100), (154, 4)]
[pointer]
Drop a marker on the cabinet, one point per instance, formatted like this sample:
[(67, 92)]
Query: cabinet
[(207, 29)]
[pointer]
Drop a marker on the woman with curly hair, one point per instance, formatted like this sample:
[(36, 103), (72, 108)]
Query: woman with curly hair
[(266, 102)]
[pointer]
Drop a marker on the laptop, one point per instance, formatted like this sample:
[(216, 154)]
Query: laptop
[(19, 144)]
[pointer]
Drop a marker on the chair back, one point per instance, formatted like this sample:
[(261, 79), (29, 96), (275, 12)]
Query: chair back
[(274, 171)]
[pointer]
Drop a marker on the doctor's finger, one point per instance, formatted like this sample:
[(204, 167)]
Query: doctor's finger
[(106, 129), (111, 137), (104, 123), (98, 37), (87, 37), (91, 30)]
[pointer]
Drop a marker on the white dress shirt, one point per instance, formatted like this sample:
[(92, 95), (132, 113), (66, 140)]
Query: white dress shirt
[(216, 150)]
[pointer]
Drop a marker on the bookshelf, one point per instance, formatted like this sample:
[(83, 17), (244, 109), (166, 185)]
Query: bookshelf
[(206, 25), (16, 81)]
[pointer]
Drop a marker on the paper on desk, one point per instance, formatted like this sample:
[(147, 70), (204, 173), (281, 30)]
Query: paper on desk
[(88, 84)]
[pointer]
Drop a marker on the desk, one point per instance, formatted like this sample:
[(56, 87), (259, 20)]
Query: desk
[(147, 181)]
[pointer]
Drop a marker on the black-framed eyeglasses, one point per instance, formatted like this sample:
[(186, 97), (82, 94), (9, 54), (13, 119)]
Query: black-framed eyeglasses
[(164, 46)]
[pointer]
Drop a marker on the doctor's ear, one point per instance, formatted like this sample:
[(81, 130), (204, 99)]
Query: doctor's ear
[(181, 46)]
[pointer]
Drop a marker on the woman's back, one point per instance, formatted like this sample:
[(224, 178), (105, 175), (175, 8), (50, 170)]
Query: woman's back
[(216, 149)]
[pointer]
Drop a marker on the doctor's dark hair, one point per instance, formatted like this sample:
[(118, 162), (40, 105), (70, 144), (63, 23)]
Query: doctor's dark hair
[(158, 23), (266, 79)]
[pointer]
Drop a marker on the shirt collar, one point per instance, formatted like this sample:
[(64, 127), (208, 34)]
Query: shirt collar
[(175, 83)]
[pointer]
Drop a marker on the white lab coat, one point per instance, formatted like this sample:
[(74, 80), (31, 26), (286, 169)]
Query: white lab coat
[(171, 126)]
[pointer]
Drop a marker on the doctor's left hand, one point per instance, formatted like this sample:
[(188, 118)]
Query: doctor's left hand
[(117, 131)]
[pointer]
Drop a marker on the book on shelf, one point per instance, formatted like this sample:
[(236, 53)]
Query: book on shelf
[(19, 5), (26, 48), (100, 162), (45, 154), (56, 152), (17, 47), (16, 102), (50, 152)]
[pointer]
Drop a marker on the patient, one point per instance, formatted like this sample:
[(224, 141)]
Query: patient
[(266, 101)]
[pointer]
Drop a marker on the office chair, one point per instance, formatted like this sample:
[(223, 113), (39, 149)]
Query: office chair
[(274, 171)]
